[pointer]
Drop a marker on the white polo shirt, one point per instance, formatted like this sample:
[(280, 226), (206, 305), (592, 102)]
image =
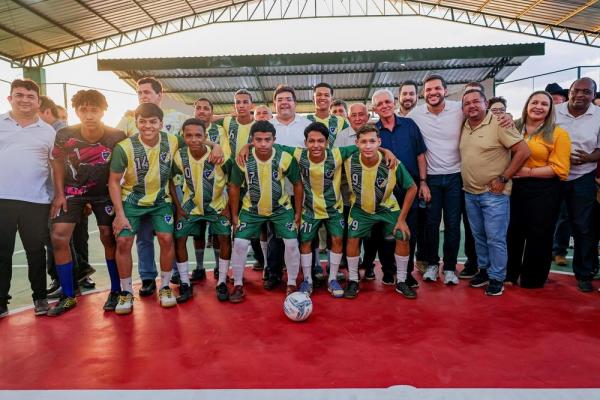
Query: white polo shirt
[(291, 134), (441, 133), (25, 154), (584, 132)]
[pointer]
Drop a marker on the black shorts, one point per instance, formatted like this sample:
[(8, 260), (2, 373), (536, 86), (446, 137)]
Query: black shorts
[(101, 207)]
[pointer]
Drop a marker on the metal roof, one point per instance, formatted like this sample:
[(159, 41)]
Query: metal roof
[(354, 75), (43, 32)]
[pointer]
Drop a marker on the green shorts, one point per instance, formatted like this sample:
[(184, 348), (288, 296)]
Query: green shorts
[(161, 217), (310, 227), (193, 225), (361, 223), (250, 225)]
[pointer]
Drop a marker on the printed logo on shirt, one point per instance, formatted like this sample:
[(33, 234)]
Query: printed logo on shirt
[(109, 210), (276, 175), (164, 157), (169, 219), (105, 155), (290, 226), (209, 172), (381, 182), (329, 174)]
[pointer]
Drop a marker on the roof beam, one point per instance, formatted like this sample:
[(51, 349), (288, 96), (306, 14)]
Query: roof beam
[(575, 12), (90, 9), (260, 86), (25, 38), (528, 8), (48, 19), (145, 12)]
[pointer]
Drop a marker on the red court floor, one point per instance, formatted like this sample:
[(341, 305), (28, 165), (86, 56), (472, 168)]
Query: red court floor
[(450, 337)]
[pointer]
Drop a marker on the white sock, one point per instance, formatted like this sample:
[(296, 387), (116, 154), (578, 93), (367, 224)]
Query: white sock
[(238, 259), (127, 285), (199, 259), (305, 261), (292, 259), (334, 265), (223, 269), (401, 266), (165, 277), (184, 273), (353, 268), (264, 246)]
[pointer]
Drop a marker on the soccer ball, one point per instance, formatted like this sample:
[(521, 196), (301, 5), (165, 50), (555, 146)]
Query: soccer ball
[(297, 306)]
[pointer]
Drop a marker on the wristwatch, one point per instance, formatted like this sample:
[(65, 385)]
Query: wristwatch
[(502, 179)]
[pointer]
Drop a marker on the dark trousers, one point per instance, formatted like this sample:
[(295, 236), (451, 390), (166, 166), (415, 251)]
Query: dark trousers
[(446, 197), (421, 241), (562, 234), (31, 221), (534, 208), (580, 196)]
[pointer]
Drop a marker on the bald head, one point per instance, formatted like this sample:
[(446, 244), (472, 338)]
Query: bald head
[(358, 115)]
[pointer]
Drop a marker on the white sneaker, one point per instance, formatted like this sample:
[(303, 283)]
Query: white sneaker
[(165, 295), (450, 278), (125, 304), (431, 274)]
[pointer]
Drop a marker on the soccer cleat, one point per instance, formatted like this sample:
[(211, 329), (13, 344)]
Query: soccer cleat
[(450, 278), (237, 296), (111, 301), (199, 274), (185, 293), (431, 274), (495, 288), (306, 287), (64, 305), (175, 279), (468, 272), (480, 280), (335, 289), (318, 273), (125, 305), (560, 260), (41, 307), (222, 292), (411, 281), (148, 287), (388, 279), (272, 282), (167, 300), (584, 286), (290, 289), (405, 290), (352, 290), (3, 310)]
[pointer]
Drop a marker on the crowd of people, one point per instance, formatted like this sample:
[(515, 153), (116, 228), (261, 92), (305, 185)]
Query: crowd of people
[(282, 183)]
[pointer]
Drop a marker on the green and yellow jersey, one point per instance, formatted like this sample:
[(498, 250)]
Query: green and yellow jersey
[(372, 187), (204, 183), (172, 121), (321, 181), (147, 169), (334, 123), (265, 195), (237, 134)]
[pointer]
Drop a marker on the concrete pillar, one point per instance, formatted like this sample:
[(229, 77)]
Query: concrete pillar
[(38, 75)]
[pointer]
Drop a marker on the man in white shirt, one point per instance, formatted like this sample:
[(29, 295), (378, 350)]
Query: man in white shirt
[(25, 150)]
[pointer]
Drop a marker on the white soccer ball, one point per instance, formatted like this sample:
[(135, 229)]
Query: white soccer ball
[(297, 306)]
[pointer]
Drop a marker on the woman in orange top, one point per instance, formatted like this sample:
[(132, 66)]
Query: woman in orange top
[(536, 193)]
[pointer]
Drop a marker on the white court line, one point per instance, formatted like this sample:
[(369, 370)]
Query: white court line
[(23, 250)]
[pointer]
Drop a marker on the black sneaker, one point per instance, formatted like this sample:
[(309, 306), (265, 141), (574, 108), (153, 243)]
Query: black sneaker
[(175, 280), (222, 292), (318, 275), (84, 273), (405, 290), (65, 304), (388, 279), (87, 283), (370, 273), (351, 290), (480, 279), (411, 281), (148, 287), (468, 272), (272, 282), (185, 293), (54, 286), (3, 310), (584, 286), (495, 288), (258, 266), (111, 301), (216, 273), (199, 274)]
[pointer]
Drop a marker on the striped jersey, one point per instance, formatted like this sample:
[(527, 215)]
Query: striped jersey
[(147, 169), (334, 123), (237, 134), (204, 183), (321, 181), (172, 121), (265, 182), (372, 187)]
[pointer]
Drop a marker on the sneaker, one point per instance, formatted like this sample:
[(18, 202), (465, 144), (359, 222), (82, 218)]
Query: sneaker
[(480, 279), (584, 286), (431, 274), (85, 272), (3, 310), (57, 294), (237, 296), (222, 292), (258, 266), (54, 285), (388, 279), (450, 278), (560, 260), (340, 276), (125, 305), (495, 288), (199, 274), (111, 301), (185, 293), (370, 273), (468, 272), (405, 290), (306, 287), (41, 307), (165, 295), (318, 273), (87, 283), (64, 305), (290, 289), (272, 282), (411, 281), (148, 287), (421, 266), (216, 273), (175, 279), (352, 290), (335, 289)]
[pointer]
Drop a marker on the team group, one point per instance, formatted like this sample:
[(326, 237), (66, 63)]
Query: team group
[(274, 182)]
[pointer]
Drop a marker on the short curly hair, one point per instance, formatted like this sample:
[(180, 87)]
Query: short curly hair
[(90, 97)]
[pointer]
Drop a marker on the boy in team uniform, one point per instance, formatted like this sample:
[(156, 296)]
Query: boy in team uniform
[(204, 200), (144, 163), (373, 201), (81, 162), (265, 200)]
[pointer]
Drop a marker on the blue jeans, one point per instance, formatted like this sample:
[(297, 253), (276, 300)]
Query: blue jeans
[(145, 250), (446, 196), (489, 215)]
